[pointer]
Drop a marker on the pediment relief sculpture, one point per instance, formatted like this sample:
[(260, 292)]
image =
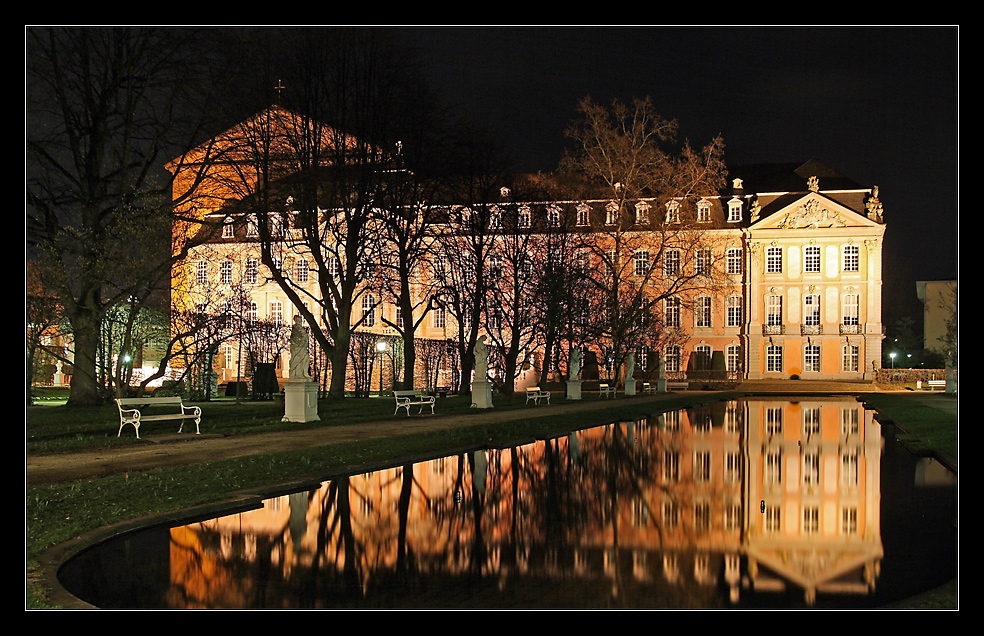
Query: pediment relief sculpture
[(812, 214)]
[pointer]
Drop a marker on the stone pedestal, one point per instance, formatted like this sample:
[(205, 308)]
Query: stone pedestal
[(630, 386), (661, 385), (481, 394), (300, 401), (573, 389)]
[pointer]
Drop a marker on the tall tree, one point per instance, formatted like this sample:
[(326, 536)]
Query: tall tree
[(628, 155), (106, 107)]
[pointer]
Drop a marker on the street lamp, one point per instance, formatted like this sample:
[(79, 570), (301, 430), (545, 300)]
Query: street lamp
[(892, 356)]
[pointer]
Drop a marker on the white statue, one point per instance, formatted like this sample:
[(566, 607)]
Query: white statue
[(300, 358), (481, 353), (575, 366), (630, 366)]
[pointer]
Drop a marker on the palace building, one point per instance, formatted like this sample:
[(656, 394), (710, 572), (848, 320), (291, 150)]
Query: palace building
[(796, 251)]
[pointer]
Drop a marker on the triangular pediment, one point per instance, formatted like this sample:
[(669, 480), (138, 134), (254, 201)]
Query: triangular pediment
[(812, 211)]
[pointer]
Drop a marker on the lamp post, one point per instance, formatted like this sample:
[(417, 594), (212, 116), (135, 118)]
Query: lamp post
[(892, 356)]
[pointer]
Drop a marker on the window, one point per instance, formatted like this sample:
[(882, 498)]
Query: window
[(525, 217), (811, 520), (734, 259), (773, 467), (671, 310), (671, 262), (732, 467), (252, 265), (773, 310), (849, 468), (702, 466), (583, 214), (811, 310), (642, 213), (553, 216), (672, 211), (703, 211), (201, 272), (773, 358), (702, 516), (773, 260), (811, 358), (641, 262), (734, 311), (772, 519), (672, 356), (303, 270), (439, 317), (851, 357), (611, 213), (702, 311), (732, 517), (671, 465), (849, 520), (227, 229), (811, 467), (368, 310), (850, 422), (773, 421), (251, 314), (671, 514), (811, 259), (850, 309), (811, 422), (225, 272), (733, 358), (702, 262), (851, 258), (276, 312), (734, 210)]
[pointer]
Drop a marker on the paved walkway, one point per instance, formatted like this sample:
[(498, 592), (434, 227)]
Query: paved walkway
[(173, 450)]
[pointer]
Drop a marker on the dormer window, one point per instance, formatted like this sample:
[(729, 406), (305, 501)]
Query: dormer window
[(553, 216), (524, 216), (703, 211), (611, 216), (672, 211), (642, 213), (583, 214), (734, 210)]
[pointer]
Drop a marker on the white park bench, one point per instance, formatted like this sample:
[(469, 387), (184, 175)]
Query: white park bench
[(534, 393), (681, 386), (606, 390), (406, 399), (130, 412), (935, 384)]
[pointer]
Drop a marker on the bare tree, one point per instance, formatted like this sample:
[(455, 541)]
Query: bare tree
[(648, 229), (105, 107)]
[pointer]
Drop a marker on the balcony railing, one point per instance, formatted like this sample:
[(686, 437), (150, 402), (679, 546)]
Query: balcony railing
[(773, 330)]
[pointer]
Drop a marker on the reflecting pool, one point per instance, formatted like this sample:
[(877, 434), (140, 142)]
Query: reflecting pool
[(753, 503)]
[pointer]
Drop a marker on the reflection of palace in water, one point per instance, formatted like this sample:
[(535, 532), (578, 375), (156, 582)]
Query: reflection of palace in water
[(757, 494)]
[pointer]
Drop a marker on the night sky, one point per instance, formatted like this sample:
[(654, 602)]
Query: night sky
[(877, 104)]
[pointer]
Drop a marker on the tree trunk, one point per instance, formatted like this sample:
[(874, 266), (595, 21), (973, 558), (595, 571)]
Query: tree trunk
[(85, 332)]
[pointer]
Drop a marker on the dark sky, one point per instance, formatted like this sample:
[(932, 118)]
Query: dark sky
[(877, 104)]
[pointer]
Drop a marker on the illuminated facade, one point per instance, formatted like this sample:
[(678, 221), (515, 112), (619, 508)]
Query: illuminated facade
[(796, 252)]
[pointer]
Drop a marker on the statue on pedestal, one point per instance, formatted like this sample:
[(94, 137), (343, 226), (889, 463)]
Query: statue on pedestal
[(300, 357)]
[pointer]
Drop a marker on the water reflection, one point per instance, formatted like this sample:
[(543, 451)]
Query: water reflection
[(703, 507)]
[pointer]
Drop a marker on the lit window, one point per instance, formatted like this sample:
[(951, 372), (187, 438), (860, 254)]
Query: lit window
[(734, 259), (673, 212), (368, 310), (773, 260), (773, 358), (851, 258), (811, 310), (702, 311), (583, 214), (734, 311), (703, 211), (302, 272), (671, 262), (641, 262), (811, 259), (252, 265), (811, 358), (702, 262), (439, 318), (201, 272), (225, 272), (276, 312), (734, 211), (227, 229), (671, 312), (851, 357), (773, 310), (850, 309)]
